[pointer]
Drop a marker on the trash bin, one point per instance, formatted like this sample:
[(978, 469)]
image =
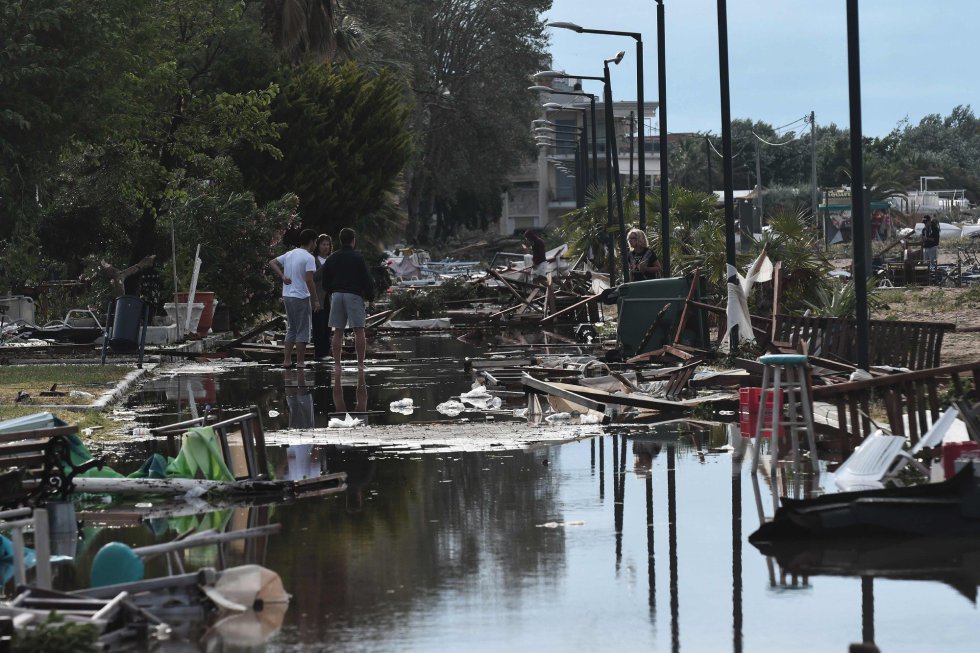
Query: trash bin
[(127, 324)]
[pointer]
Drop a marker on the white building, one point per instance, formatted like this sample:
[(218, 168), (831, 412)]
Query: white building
[(543, 190)]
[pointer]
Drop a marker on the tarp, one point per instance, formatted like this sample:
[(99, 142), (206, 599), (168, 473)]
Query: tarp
[(738, 296)]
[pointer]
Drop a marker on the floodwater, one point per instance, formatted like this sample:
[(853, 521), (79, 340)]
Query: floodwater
[(632, 540)]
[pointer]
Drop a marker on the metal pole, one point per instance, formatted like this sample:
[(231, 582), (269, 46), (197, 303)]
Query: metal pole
[(595, 156), (662, 109), (585, 157), (858, 218), (726, 151), (643, 147), (610, 246), (617, 182), (758, 182), (631, 148), (707, 156), (813, 166)]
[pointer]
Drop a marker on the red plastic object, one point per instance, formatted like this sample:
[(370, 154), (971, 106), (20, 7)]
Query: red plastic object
[(207, 314), (952, 451), (748, 404)]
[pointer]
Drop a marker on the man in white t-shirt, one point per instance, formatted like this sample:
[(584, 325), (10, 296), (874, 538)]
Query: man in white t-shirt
[(296, 268)]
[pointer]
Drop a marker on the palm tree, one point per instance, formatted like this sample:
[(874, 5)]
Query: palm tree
[(318, 28)]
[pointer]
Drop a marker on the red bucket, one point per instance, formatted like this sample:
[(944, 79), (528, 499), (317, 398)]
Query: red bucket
[(207, 314)]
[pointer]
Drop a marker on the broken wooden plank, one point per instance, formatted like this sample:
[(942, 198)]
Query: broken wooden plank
[(563, 391), (252, 333)]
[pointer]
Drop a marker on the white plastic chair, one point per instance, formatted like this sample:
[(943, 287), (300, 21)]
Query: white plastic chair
[(866, 468), (881, 456)]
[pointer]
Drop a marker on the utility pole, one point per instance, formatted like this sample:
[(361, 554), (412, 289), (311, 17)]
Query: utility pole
[(758, 182), (632, 143), (813, 168), (707, 156)]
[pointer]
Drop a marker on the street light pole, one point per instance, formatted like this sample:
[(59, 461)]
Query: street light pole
[(726, 151), (548, 89), (611, 143), (858, 218), (662, 111), (636, 36)]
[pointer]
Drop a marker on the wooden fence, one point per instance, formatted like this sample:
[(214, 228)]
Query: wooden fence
[(911, 401), (914, 345)]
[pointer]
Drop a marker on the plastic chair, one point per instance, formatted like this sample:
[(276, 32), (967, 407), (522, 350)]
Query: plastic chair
[(881, 457)]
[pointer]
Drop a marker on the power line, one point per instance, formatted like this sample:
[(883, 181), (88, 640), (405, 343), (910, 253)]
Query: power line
[(786, 142)]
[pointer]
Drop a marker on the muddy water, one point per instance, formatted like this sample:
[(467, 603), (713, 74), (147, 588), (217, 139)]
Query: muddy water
[(629, 541)]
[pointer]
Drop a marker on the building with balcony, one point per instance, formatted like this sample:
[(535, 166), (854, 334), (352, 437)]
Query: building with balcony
[(544, 189)]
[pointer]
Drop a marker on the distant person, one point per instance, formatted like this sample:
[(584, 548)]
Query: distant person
[(643, 262), (539, 258), (346, 276), (296, 268), (321, 326), (930, 241)]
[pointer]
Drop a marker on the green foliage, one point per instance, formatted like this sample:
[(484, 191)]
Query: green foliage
[(344, 145), (793, 242), (237, 239), (840, 300), (55, 635), (585, 231)]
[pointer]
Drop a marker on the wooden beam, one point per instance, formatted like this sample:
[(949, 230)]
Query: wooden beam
[(563, 391), (568, 309)]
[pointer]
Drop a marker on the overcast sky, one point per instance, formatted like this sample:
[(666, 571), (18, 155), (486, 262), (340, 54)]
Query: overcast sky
[(787, 57)]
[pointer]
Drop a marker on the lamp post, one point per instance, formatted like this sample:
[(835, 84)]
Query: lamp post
[(595, 165), (859, 219), (636, 36), (611, 140), (581, 153), (726, 151), (662, 113), (610, 247), (549, 137), (553, 74)]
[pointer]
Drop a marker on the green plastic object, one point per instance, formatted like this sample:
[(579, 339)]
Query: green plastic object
[(116, 563), (639, 304), (783, 359)]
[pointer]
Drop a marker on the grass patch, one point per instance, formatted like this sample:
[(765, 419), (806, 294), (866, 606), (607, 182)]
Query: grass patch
[(33, 379), (88, 419)]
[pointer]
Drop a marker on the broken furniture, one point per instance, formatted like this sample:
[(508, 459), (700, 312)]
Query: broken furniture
[(786, 375), (16, 521), (127, 319), (881, 457), (911, 402), (37, 464)]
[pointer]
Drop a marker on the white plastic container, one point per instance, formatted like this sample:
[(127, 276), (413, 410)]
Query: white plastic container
[(178, 315), (17, 307)]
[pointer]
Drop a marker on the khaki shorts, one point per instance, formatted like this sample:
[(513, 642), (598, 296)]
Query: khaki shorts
[(346, 311)]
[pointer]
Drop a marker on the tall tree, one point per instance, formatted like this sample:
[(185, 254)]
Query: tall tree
[(344, 146)]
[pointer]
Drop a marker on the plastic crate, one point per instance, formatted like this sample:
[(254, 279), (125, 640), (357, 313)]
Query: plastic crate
[(748, 405), (952, 451)]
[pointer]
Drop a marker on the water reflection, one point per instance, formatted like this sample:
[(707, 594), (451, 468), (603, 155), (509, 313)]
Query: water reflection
[(479, 550)]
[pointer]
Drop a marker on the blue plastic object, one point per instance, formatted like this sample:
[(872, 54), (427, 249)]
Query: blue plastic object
[(116, 563), (783, 359)]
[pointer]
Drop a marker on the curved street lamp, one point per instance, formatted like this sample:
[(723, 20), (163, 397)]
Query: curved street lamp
[(638, 37)]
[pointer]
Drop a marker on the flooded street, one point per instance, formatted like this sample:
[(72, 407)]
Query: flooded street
[(635, 539)]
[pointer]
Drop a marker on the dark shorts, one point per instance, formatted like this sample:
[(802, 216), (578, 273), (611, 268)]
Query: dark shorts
[(298, 314), (346, 311)]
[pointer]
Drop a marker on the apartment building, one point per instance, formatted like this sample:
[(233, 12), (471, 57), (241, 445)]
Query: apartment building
[(545, 188)]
